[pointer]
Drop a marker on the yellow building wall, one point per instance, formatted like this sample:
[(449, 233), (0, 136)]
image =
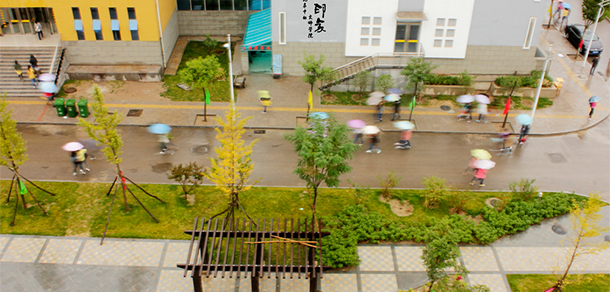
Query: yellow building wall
[(146, 14)]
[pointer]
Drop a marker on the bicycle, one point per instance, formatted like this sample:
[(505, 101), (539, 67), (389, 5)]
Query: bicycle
[(501, 140)]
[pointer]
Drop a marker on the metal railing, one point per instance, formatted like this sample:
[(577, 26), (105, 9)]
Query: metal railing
[(372, 62)]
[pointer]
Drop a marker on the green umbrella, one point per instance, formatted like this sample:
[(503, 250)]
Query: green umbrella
[(480, 154)]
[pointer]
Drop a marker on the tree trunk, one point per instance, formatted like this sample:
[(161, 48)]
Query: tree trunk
[(123, 185), (565, 274), (205, 107)]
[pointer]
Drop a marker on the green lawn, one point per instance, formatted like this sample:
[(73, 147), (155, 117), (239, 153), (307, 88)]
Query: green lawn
[(538, 283), (219, 91), (81, 208)]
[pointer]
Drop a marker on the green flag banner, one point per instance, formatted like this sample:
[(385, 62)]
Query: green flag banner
[(22, 189), (412, 105), (207, 97)]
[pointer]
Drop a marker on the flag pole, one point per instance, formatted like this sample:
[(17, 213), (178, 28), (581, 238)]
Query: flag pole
[(507, 107)]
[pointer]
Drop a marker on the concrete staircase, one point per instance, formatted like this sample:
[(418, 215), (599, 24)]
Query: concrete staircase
[(9, 81)]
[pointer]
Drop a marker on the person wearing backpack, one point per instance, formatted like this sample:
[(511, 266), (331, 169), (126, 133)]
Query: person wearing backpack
[(78, 158)]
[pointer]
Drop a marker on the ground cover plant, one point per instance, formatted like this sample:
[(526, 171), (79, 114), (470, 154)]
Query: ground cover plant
[(576, 283), (219, 90)]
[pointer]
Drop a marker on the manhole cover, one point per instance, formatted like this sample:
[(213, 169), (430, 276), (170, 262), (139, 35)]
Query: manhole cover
[(557, 228), (445, 108), (200, 149), (162, 167), (134, 112), (70, 90), (260, 131), (557, 157)]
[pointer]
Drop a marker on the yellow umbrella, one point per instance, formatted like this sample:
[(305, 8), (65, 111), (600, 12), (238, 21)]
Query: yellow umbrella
[(480, 154)]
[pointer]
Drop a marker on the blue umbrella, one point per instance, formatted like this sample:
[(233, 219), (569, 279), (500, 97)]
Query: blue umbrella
[(594, 98), (47, 87), (159, 129), (524, 119), (319, 115), (392, 97), (395, 91), (567, 6)]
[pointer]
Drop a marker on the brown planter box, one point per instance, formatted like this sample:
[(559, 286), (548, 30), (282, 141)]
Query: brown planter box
[(434, 90), (549, 92)]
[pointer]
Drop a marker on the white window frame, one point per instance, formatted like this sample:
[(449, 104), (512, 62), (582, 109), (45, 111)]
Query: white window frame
[(529, 35), (282, 31)]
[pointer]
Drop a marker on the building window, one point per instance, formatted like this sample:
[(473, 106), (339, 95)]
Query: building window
[(440, 22), (364, 41), (367, 28), (451, 22), (375, 42), (112, 11), (133, 24), (448, 43), (184, 4), (443, 33), (364, 31), (366, 20), (78, 24), (282, 28), (530, 33), (407, 38), (438, 43), (114, 24), (376, 31), (97, 25), (439, 33)]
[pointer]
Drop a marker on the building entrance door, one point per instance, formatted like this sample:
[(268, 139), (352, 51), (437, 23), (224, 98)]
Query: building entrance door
[(407, 37), (21, 20)]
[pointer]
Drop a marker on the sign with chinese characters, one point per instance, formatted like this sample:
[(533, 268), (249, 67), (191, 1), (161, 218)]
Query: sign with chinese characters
[(314, 17)]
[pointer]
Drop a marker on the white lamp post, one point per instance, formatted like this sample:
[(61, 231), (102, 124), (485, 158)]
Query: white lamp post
[(548, 57), (599, 12), (228, 46)]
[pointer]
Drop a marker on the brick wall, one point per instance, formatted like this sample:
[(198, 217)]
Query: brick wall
[(213, 22), (170, 35), (292, 53), (112, 53), (491, 60)]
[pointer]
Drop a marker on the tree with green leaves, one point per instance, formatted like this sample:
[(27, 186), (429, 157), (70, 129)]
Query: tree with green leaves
[(188, 176), (324, 150), (417, 72), (362, 80), (200, 73), (385, 82), (586, 226), (105, 132), (315, 70), (12, 155), (590, 8), (231, 170)]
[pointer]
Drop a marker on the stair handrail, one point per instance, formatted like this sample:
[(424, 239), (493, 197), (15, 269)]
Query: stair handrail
[(54, 58), (61, 62)]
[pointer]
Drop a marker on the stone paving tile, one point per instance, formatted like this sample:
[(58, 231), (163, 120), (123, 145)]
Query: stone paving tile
[(3, 241), (61, 251), (495, 282), (479, 258), (23, 249), (266, 284), (176, 253), (409, 258), (294, 284), (544, 258), (376, 258), (339, 282), (121, 253), (59, 278), (593, 262), (218, 284), (173, 280), (378, 282)]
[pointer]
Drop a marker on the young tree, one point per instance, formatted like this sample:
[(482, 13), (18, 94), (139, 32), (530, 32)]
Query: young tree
[(323, 152), (315, 70), (105, 132), (362, 80), (231, 170), (417, 72), (12, 155), (590, 8), (200, 73), (188, 176), (385, 82), (586, 225), (439, 255)]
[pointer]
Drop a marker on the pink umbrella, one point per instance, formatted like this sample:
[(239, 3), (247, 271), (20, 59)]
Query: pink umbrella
[(481, 98), (356, 124), (484, 164), (72, 146)]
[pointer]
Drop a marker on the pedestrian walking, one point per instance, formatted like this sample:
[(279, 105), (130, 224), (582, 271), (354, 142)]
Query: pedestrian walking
[(78, 158), (33, 61), (38, 29), (594, 63), (470, 166), (32, 76), (380, 111), (396, 110), (373, 143), (479, 175), (18, 70), (592, 106), (482, 110), (163, 141), (405, 140), (266, 102), (358, 133), (525, 129)]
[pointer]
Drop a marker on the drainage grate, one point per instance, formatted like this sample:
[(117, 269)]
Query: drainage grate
[(557, 158), (260, 131), (200, 149), (134, 112)]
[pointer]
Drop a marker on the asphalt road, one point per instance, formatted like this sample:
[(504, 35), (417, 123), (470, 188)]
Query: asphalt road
[(576, 162)]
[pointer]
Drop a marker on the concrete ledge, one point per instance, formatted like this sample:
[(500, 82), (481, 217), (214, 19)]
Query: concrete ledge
[(144, 73)]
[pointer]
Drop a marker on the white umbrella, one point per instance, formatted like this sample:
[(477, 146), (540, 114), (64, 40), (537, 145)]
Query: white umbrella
[(484, 164), (392, 97), (374, 100), (404, 125), (465, 99), (370, 130), (482, 98), (376, 94), (46, 77), (72, 146)]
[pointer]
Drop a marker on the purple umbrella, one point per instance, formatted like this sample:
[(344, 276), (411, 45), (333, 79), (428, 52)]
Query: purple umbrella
[(356, 124), (395, 91)]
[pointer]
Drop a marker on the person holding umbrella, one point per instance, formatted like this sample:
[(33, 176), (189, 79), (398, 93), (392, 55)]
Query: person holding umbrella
[(265, 99), (372, 133), (525, 121), (480, 173), (376, 98), (357, 126), (394, 97), (405, 137), (162, 131), (475, 155), (483, 100), (592, 104), (466, 100), (78, 156)]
